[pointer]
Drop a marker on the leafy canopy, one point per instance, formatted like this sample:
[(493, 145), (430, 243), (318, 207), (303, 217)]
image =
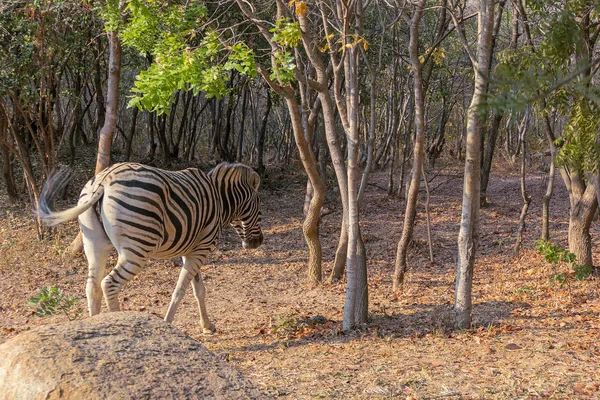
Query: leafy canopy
[(557, 70), (186, 53)]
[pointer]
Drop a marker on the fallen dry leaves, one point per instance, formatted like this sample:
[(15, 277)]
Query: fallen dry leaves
[(531, 339)]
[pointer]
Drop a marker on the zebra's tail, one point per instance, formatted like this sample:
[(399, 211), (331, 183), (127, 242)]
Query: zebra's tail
[(54, 185)]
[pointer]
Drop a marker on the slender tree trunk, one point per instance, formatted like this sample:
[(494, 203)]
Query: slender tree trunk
[(546, 201), (183, 124), (526, 197), (7, 167), (110, 121), (582, 214), (353, 258), (112, 102), (437, 145), (100, 106), (240, 143), (370, 140), (419, 150), (260, 140), (131, 133), (310, 227), (468, 237), (486, 166), (427, 199), (335, 150)]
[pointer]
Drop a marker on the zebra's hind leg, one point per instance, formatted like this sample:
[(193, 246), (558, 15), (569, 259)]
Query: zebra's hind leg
[(122, 273), (97, 248)]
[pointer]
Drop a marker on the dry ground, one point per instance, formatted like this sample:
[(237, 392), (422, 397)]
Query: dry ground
[(531, 338)]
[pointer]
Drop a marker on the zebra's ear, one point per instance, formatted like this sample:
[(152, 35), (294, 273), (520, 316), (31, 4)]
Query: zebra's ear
[(254, 180)]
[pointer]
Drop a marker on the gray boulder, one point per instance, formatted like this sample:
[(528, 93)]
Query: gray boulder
[(120, 355)]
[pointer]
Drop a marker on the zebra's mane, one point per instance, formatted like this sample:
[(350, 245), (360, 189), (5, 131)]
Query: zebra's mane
[(247, 174), (229, 165)]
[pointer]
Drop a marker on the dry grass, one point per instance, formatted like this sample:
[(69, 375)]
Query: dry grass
[(531, 338)]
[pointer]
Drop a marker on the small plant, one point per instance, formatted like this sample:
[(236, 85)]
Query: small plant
[(580, 272), (556, 256), (287, 327), (52, 300)]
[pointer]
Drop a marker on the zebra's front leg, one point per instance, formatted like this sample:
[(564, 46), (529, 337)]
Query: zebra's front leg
[(190, 273), (183, 282), (200, 294)]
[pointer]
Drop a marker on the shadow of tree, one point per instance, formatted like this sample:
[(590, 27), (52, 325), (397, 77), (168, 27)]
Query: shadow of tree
[(418, 321)]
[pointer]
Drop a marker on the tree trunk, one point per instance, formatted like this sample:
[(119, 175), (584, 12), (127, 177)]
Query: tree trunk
[(582, 214), (335, 150), (240, 143), (468, 237), (361, 311), (419, 150), (486, 165), (353, 258), (112, 103), (546, 201), (526, 198), (131, 133), (110, 121), (7, 167), (260, 140), (310, 227), (100, 106)]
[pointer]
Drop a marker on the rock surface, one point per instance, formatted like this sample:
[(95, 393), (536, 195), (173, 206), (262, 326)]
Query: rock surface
[(120, 355)]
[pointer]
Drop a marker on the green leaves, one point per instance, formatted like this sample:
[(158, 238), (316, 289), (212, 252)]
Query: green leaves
[(52, 300), (556, 255), (563, 36), (111, 14), (286, 33), (579, 147), (283, 67), (186, 55)]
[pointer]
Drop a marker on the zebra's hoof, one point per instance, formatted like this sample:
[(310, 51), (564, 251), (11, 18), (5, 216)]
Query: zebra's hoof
[(209, 330)]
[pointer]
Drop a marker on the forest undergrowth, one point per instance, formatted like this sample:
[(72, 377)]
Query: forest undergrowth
[(533, 336)]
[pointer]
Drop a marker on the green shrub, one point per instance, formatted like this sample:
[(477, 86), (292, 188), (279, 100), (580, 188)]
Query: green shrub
[(52, 300)]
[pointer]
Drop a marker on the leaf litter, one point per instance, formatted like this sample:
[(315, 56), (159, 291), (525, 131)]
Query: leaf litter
[(530, 338)]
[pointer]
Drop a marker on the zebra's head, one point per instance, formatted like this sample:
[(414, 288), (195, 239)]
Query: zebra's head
[(238, 186)]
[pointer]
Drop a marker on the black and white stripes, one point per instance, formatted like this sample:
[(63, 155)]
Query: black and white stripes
[(146, 212)]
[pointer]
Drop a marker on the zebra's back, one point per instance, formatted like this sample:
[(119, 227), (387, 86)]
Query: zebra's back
[(154, 213)]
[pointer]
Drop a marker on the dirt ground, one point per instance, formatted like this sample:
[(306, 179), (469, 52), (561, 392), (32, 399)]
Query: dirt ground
[(532, 338)]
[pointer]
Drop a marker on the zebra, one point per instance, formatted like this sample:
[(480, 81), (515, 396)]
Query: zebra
[(149, 213)]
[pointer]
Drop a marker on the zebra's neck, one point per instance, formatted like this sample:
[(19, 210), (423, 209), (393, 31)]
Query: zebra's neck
[(229, 206)]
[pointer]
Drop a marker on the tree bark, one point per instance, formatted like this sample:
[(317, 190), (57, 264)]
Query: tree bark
[(110, 121), (310, 227), (582, 214), (112, 103), (335, 150), (100, 106), (353, 258), (419, 150), (486, 165), (526, 197), (260, 140), (131, 133), (468, 237), (546, 201), (7, 167)]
